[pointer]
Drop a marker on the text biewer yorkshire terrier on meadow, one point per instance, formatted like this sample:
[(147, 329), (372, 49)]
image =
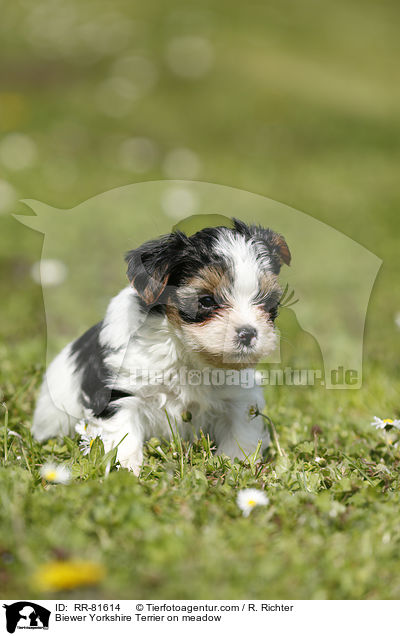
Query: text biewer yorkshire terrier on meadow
[(206, 300)]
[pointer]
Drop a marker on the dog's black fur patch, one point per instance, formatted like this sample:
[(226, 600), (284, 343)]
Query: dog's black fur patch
[(160, 265), (88, 355)]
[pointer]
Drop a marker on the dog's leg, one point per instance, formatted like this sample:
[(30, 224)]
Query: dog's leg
[(125, 431), (240, 432), (58, 408)]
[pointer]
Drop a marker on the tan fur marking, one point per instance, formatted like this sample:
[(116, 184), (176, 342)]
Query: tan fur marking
[(268, 282), (173, 315), (283, 249), (210, 279)]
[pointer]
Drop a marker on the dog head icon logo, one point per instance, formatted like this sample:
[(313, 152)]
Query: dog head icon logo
[(26, 615)]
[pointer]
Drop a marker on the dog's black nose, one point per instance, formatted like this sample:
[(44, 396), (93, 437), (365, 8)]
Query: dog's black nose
[(246, 334)]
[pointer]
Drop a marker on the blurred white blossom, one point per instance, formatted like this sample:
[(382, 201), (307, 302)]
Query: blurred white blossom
[(115, 96), (179, 202), (138, 154), (140, 71), (108, 33), (249, 498), (55, 473), (181, 163), (49, 272), (8, 197), (17, 151), (58, 27), (190, 56), (131, 78)]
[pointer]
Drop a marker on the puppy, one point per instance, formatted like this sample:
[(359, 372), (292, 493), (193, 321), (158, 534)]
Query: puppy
[(172, 346)]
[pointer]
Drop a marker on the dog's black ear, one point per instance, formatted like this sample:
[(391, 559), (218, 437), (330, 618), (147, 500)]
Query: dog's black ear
[(278, 246), (150, 265), (275, 243)]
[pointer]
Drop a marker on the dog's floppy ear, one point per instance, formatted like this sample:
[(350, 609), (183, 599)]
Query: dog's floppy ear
[(279, 246), (149, 266), (275, 243)]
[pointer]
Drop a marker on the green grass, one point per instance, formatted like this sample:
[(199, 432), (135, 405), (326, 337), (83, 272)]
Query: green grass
[(329, 531), (301, 105)]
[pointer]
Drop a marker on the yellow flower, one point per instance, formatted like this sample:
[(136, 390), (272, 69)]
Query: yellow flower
[(66, 575)]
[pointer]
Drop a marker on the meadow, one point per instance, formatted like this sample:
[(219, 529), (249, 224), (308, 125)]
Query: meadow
[(298, 103)]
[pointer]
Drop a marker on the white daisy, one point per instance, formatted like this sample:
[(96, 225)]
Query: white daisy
[(249, 498), (55, 474), (86, 444), (381, 424), (88, 433), (11, 433)]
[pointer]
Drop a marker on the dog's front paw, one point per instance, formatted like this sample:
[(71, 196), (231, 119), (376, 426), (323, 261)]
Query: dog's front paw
[(131, 464)]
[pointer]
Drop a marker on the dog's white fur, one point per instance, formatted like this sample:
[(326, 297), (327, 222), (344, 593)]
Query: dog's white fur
[(222, 411), (135, 340)]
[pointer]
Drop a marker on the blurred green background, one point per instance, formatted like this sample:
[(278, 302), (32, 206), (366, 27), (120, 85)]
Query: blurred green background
[(296, 101)]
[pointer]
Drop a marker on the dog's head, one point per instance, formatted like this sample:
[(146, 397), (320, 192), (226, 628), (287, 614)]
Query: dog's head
[(218, 288)]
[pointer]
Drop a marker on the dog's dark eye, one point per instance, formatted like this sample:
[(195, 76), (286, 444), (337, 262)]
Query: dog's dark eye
[(271, 305), (207, 301), (273, 312)]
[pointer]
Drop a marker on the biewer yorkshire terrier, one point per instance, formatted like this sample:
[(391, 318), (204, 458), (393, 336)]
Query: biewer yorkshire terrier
[(202, 302)]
